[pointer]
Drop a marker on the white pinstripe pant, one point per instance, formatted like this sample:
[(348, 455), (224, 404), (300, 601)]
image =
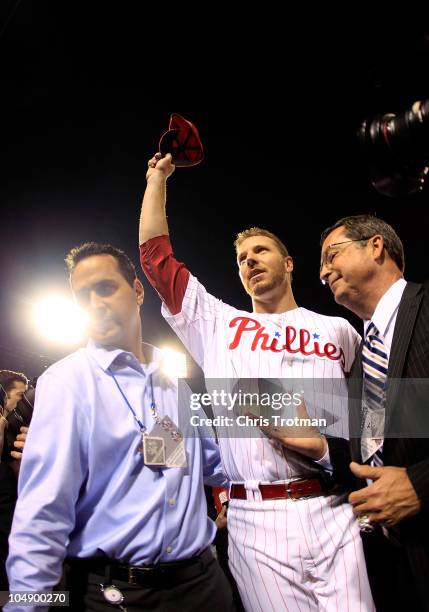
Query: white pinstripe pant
[(300, 556)]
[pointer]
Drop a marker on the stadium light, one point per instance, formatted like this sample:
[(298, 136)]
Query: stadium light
[(174, 363)]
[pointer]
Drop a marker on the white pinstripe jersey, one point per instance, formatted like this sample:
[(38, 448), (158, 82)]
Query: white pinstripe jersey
[(234, 344)]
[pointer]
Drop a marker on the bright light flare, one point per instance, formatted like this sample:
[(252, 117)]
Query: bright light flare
[(174, 363), (59, 320)]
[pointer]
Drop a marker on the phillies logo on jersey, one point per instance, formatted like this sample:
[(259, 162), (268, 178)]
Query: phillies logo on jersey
[(295, 341)]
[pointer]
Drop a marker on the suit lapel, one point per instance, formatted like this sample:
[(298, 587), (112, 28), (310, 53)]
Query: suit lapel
[(405, 321), (355, 406)]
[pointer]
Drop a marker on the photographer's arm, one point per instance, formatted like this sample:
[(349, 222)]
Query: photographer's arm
[(16, 455), (3, 427), (19, 443)]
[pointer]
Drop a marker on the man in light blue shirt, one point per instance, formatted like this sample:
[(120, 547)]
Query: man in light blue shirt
[(136, 531)]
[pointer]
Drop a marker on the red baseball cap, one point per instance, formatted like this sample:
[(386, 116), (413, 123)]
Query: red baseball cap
[(182, 141)]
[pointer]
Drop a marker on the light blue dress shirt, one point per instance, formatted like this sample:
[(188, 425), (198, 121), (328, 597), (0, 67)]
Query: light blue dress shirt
[(84, 489)]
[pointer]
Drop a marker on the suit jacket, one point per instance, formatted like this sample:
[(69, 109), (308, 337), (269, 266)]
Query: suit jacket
[(407, 416)]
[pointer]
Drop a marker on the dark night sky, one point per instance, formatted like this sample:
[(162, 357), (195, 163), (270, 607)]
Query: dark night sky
[(88, 89)]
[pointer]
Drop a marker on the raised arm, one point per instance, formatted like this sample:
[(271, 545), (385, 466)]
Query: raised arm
[(169, 277), (153, 218)]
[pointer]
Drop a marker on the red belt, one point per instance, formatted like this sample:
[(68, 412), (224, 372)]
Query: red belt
[(297, 489)]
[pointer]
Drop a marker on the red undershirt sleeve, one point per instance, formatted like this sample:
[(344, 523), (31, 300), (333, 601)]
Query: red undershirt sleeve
[(167, 276)]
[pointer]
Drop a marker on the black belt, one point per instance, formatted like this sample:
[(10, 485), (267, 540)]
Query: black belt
[(159, 575)]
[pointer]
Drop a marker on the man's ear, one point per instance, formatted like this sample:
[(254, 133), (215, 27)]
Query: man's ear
[(288, 264), (138, 288), (377, 242)]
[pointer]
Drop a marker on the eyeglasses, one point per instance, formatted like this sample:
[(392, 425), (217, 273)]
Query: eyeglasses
[(332, 251)]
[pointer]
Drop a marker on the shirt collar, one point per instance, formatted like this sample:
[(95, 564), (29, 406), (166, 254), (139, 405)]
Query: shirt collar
[(387, 307), (105, 356)]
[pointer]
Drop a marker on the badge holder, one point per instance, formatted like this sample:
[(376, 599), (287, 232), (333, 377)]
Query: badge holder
[(164, 445)]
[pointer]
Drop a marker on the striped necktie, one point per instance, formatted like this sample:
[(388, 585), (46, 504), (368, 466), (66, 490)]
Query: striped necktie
[(375, 363)]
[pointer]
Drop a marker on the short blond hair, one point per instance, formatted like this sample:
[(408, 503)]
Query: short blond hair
[(258, 231)]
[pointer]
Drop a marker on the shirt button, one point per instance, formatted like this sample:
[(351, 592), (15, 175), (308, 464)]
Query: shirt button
[(169, 549), (171, 502)]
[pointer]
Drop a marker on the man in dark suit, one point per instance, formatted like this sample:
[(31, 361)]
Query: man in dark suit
[(362, 261)]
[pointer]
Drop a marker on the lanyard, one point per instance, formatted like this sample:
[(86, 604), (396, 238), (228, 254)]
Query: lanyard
[(141, 426)]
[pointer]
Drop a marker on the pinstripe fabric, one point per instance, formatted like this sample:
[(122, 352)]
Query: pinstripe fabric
[(304, 555), (285, 555), (292, 557)]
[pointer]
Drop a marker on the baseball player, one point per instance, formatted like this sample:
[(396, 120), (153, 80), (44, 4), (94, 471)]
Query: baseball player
[(293, 546)]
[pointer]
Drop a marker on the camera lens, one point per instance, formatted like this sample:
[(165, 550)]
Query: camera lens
[(398, 149)]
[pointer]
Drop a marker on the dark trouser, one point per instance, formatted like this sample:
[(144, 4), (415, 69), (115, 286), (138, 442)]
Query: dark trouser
[(394, 584), (221, 543), (209, 591)]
